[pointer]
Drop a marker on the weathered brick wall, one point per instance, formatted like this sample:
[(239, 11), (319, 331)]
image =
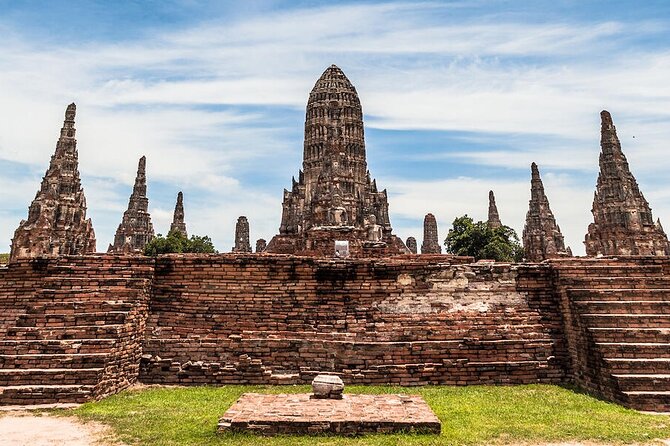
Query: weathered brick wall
[(72, 327), (410, 320)]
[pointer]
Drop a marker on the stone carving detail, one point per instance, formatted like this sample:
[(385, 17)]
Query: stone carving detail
[(622, 219), (431, 244), (260, 245), (178, 223), (334, 194), (494, 219), (57, 223), (135, 229), (542, 238), (411, 245), (242, 235)]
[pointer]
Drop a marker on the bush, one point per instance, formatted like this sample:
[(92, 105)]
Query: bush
[(176, 242), (479, 240)]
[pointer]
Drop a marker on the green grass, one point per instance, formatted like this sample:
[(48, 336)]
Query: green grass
[(4, 258), (470, 415)]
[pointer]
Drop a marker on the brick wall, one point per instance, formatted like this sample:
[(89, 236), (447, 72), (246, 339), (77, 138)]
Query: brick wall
[(410, 320)]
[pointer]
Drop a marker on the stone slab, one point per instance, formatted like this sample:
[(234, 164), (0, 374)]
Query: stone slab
[(353, 414)]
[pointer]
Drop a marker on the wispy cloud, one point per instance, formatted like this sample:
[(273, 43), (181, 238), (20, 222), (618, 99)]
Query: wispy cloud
[(216, 105)]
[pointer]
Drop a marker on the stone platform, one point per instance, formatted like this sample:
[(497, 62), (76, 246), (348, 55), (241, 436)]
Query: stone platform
[(353, 414)]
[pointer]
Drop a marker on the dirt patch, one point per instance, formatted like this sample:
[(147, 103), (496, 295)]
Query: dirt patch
[(23, 428)]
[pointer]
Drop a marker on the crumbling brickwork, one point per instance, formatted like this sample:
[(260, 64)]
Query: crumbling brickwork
[(57, 223), (493, 220), (335, 197), (135, 229), (242, 235), (178, 223), (431, 243), (542, 238), (622, 220)]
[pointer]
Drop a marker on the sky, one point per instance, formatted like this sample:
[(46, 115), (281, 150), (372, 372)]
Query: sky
[(459, 97)]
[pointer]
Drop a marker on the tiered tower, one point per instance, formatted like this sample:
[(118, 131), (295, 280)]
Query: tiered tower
[(542, 238), (57, 223), (242, 235), (334, 197), (622, 220), (135, 230), (431, 244), (178, 223), (494, 218)]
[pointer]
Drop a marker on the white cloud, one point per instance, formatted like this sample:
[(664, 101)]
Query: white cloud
[(415, 68)]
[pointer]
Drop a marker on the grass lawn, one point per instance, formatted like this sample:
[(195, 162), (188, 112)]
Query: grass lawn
[(470, 415)]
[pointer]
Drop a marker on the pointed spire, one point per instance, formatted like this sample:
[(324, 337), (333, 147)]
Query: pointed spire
[(57, 223), (542, 238), (622, 219), (242, 235), (494, 218), (135, 229), (430, 244), (178, 224)]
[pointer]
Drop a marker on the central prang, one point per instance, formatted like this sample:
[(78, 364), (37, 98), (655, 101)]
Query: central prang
[(335, 197)]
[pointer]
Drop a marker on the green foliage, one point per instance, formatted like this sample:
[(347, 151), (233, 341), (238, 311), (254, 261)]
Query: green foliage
[(477, 239), (176, 242), (4, 259), (470, 415)]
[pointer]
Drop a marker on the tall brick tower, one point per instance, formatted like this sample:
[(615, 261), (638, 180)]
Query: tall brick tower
[(178, 223), (135, 229), (542, 238), (335, 197), (494, 218), (57, 223), (622, 220)]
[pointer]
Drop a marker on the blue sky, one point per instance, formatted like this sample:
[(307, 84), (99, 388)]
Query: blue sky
[(459, 97)]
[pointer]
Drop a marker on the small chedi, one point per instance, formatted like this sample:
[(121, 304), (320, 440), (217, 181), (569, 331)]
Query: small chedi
[(430, 244), (135, 229), (622, 220), (57, 223), (493, 218), (542, 238), (334, 197), (242, 235), (411, 244), (261, 244), (178, 223)]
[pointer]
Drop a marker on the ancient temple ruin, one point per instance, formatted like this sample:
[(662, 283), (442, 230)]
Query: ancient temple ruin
[(493, 218), (335, 198), (242, 235), (57, 223), (135, 229), (430, 244), (261, 244), (622, 220), (542, 238), (178, 223), (411, 245)]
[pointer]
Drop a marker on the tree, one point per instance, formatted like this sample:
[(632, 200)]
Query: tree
[(176, 242), (479, 240)]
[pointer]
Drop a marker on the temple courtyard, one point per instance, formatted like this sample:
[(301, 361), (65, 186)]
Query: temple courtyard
[(473, 415)]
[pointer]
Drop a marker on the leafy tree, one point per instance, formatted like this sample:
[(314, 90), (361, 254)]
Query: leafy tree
[(479, 240), (176, 242)]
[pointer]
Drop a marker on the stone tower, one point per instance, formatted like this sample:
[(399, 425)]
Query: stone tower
[(261, 244), (135, 230), (622, 220), (542, 238), (411, 245), (57, 223), (494, 219), (178, 223), (242, 235), (334, 197), (430, 244)]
